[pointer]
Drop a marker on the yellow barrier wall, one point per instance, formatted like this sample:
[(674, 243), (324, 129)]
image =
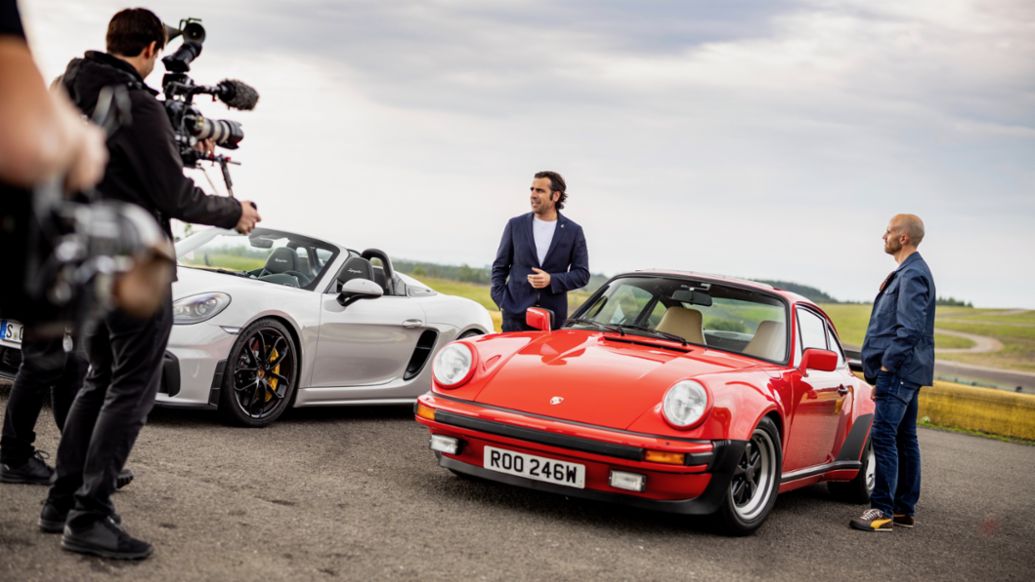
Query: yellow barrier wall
[(984, 409)]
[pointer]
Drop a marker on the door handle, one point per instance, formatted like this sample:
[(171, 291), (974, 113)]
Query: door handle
[(412, 323), (842, 389)]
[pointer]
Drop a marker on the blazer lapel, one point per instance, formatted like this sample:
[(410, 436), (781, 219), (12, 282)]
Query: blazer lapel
[(530, 232)]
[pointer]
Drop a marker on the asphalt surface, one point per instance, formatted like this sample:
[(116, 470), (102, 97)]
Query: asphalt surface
[(351, 493)]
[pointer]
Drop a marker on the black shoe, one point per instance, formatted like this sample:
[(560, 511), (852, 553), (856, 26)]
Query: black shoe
[(35, 471), (903, 520), (52, 518), (871, 520), (125, 477), (106, 539)]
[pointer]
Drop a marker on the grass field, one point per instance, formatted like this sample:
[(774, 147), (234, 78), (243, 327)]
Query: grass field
[(1014, 328)]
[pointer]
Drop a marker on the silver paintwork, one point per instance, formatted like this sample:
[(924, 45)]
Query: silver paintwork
[(353, 355)]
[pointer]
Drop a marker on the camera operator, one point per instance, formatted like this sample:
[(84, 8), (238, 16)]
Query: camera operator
[(125, 352), (44, 138)]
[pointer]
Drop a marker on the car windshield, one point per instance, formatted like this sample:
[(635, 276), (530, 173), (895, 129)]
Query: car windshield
[(723, 317), (277, 257)]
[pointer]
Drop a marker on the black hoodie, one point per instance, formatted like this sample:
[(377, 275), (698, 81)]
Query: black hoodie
[(144, 166)]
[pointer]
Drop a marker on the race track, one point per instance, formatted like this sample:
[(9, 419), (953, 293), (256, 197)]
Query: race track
[(351, 493)]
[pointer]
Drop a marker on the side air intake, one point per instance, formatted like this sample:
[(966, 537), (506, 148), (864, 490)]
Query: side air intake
[(421, 354)]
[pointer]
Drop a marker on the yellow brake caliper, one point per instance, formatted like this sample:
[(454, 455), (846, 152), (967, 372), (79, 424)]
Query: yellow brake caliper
[(273, 381)]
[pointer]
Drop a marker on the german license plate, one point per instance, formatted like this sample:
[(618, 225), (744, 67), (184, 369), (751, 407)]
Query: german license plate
[(534, 467), (11, 331)]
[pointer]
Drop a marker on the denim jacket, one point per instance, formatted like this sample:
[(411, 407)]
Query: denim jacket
[(900, 335)]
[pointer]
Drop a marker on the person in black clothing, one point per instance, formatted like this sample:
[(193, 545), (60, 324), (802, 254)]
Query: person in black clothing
[(44, 138), (125, 352), (46, 366)]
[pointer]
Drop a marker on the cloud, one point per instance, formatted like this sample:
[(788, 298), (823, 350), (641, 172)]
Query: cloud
[(755, 138)]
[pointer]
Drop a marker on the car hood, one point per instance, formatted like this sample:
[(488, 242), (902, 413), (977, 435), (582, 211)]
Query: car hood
[(193, 280), (591, 377)]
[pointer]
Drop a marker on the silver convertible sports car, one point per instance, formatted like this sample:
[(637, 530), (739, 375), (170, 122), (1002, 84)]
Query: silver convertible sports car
[(275, 320)]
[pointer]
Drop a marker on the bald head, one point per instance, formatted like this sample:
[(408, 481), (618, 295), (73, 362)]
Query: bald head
[(911, 226)]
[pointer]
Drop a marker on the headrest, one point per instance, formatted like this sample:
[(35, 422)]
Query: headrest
[(281, 260), (356, 268)]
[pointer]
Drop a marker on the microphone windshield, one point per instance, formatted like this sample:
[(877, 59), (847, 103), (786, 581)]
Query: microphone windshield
[(237, 94)]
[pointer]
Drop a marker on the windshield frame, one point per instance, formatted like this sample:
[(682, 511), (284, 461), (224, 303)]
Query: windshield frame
[(201, 238)]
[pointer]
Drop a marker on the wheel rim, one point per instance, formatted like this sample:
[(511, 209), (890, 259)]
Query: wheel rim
[(263, 373), (752, 483), (871, 470)]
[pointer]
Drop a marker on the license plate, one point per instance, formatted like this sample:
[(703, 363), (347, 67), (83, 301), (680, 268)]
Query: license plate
[(11, 331), (533, 467)]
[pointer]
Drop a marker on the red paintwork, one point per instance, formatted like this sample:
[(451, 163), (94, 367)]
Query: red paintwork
[(617, 387), (538, 318)]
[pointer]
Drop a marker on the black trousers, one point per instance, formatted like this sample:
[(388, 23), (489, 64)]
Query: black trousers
[(45, 368), (109, 411)]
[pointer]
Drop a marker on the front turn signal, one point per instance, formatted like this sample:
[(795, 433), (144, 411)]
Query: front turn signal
[(665, 457), (425, 411)]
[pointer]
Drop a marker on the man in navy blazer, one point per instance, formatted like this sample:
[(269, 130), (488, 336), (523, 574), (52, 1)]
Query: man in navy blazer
[(541, 257), (898, 358)]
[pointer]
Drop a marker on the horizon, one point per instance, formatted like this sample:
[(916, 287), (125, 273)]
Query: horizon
[(771, 138)]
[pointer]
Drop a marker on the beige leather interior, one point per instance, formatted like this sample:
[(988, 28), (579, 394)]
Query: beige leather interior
[(683, 322), (769, 341)]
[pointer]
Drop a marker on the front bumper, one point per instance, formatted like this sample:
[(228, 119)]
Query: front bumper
[(192, 365), (697, 487)]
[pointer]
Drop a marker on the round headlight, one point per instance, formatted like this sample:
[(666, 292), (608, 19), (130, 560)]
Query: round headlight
[(685, 404), (198, 308), (453, 365)]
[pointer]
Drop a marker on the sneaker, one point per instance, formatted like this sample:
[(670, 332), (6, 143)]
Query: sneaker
[(871, 520), (35, 471), (52, 518), (106, 539), (903, 520), (124, 478)]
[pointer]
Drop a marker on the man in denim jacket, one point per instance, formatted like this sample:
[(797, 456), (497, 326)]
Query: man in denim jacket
[(898, 358)]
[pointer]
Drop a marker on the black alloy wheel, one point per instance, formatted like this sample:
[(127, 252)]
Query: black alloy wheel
[(261, 375), (752, 490)]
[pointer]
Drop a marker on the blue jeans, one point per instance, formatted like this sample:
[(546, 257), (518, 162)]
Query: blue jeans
[(895, 446)]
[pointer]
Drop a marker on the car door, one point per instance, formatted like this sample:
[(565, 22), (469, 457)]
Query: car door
[(817, 401), (367, 343)]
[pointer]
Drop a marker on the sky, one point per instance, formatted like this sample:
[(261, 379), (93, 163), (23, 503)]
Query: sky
[(756, 138)]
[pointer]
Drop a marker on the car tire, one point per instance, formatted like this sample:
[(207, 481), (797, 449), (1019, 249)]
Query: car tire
[(858, 490), (470, 333), (261, 375), (751, 494)]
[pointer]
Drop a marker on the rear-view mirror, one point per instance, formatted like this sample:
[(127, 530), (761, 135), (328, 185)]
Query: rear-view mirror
[(817, 359)]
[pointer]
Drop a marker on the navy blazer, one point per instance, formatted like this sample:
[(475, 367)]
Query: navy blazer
[(900, 335), (567, 262)]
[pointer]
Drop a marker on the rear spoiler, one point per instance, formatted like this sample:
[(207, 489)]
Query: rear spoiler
[(854, 360)]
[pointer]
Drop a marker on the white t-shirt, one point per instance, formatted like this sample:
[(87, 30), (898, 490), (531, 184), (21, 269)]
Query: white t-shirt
[(542, 232)]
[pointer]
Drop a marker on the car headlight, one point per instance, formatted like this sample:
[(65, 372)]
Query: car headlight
[(199, 308), (685, 404), (453, 365)]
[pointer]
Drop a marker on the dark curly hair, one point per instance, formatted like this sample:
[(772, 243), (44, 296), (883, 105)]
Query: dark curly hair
[(132, 29), (556, 185)]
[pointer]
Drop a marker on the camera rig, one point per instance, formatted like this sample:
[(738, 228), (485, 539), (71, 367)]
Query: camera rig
[(189, 124)]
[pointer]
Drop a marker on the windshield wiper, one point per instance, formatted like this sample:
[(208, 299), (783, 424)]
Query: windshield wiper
[(657, 333), (601, 326)]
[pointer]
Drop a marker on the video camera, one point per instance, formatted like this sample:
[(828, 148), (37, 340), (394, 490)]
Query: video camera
[(189, 125), (73, 260)]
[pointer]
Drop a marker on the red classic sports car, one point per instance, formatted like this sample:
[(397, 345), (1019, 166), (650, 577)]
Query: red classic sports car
[(681, 392)]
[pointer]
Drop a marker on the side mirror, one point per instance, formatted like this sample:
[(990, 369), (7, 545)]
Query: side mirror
[(817, 359), (355, 289), (539, 318)]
